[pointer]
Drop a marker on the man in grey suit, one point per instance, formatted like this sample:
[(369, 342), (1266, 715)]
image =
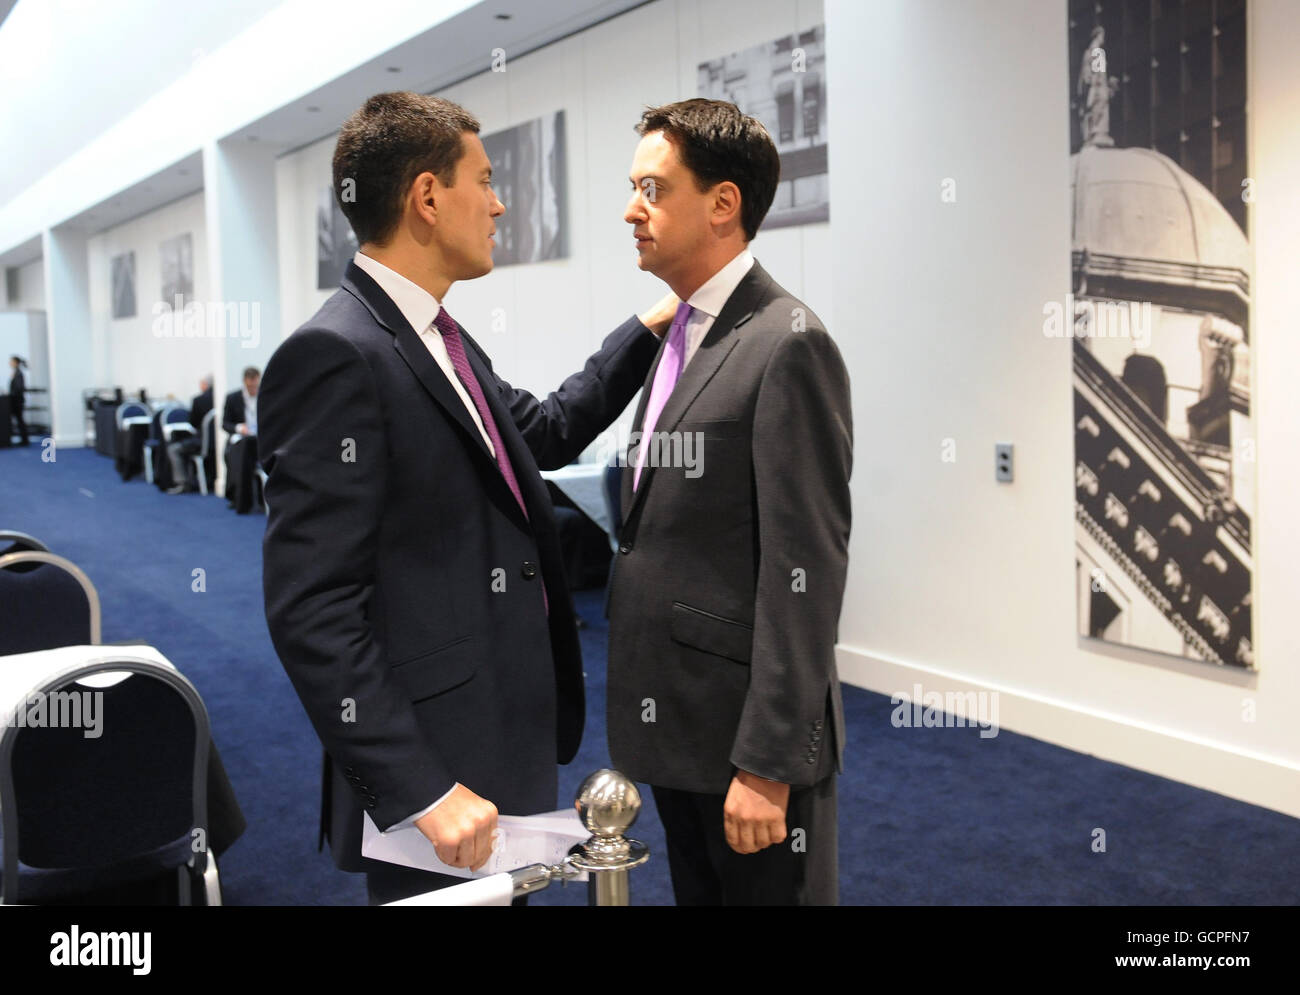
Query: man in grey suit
[(726, 594)]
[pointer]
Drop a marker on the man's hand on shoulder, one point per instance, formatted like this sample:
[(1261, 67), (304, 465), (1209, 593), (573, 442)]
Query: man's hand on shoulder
[(660, 317), (753, 815), (461, 828)]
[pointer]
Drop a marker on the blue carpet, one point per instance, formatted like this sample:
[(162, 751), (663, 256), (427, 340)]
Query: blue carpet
[(927, 816)]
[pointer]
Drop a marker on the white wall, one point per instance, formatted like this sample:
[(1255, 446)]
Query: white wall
[(957, 582), (31, 288), (125, 351), (556, 313)]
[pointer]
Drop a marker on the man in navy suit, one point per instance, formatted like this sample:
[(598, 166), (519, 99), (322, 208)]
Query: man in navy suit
[(412, 571)]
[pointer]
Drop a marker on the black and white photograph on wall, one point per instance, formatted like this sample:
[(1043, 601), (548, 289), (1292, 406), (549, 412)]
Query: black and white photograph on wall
[(123, 270), (336, 243), (1159, 314), (176, 263), (529, 176), (783, 84)]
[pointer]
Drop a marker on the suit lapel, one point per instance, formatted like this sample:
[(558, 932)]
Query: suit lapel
[(413, 352), (708, 359), (521, 457)]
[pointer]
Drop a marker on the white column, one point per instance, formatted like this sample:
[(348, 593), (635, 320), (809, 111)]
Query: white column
[(239, 200), (67, 305)]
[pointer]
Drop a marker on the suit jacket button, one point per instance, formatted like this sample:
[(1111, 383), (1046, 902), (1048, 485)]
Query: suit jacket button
[(371, 803), (624, 548), (529, 570), (349, 771), (811, 760)]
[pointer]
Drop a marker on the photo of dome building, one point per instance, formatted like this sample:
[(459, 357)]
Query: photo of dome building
[(1164, 442)]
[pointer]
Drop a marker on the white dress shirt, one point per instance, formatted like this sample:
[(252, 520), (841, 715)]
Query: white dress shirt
[(250, 411), (709, 299), (419, 308)]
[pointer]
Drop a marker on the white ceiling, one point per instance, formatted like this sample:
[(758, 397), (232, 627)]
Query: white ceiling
[(70, 69), (54, 116)]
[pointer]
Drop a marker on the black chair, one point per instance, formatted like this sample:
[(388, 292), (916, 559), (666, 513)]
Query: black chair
[(100, 814), (171, 418), (21, 542), (205, 458), (51, 606), (133, 421)]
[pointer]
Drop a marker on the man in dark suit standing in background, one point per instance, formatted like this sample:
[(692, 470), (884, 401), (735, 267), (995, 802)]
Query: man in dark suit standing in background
[(723, 692), (17, 398), (239, 419), (412, 571)]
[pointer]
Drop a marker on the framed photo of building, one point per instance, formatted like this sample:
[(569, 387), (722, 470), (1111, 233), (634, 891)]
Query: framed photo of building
[(123, 283), (783, 84), (336, 243), (176, 263), (529, 175), (1159, 313)]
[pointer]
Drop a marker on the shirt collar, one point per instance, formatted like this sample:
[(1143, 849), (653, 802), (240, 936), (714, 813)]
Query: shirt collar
[(715, 291), (418, 306)]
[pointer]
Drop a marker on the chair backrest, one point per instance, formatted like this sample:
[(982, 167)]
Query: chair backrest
[(170, 416), (133, 412), (105, 778), (208, 432), (55, 605), (21, 542)]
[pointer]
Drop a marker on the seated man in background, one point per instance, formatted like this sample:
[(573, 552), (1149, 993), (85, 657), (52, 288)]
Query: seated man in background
[(180, 449), (240, 419)]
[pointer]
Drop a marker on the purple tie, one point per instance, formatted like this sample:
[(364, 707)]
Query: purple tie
[(670, 369), (456, 351)]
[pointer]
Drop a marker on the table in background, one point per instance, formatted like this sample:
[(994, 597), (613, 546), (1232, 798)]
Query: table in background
[(584, 485)]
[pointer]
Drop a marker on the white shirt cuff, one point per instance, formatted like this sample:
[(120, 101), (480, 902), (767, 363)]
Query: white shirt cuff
[(411, 820)]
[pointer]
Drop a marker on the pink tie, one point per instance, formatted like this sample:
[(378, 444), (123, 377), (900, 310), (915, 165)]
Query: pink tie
[(670, 369), (456, 352)]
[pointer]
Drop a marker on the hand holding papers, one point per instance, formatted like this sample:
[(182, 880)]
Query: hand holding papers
[(520, 840)]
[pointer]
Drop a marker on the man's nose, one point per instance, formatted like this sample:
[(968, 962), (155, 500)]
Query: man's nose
[(498, 208), (635, 212)]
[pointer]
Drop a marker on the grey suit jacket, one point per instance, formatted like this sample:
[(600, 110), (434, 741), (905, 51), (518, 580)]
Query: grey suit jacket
[(727, 587)]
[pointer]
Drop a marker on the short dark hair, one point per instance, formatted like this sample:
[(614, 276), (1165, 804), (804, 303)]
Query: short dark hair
[(717, 142), (384, 146), (251, 372)]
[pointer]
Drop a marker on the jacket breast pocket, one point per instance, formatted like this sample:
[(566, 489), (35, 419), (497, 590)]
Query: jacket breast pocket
[(437, 670), (712, 633), (715, 429)]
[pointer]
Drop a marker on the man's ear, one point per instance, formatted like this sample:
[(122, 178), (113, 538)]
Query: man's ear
[(726, 203), (423, 197)]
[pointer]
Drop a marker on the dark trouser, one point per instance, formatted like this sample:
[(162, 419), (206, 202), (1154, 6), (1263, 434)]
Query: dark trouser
[(179, 452), (387, 882), (241, 473), (22, 425), (803, 870)]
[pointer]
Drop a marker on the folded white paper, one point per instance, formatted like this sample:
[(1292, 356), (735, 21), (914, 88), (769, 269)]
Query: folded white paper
[(521, 840), (498, 889)]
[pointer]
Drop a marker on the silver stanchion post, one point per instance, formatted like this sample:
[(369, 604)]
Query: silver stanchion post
[(608, 804)]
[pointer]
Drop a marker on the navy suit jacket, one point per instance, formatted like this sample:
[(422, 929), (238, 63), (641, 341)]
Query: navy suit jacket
[(403, 584)]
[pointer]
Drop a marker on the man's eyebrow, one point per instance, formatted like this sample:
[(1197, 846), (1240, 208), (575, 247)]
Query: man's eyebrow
[(657, 180), (486, 171)]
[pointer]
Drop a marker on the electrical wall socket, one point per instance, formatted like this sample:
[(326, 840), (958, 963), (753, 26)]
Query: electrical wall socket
[(1004, 462)]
